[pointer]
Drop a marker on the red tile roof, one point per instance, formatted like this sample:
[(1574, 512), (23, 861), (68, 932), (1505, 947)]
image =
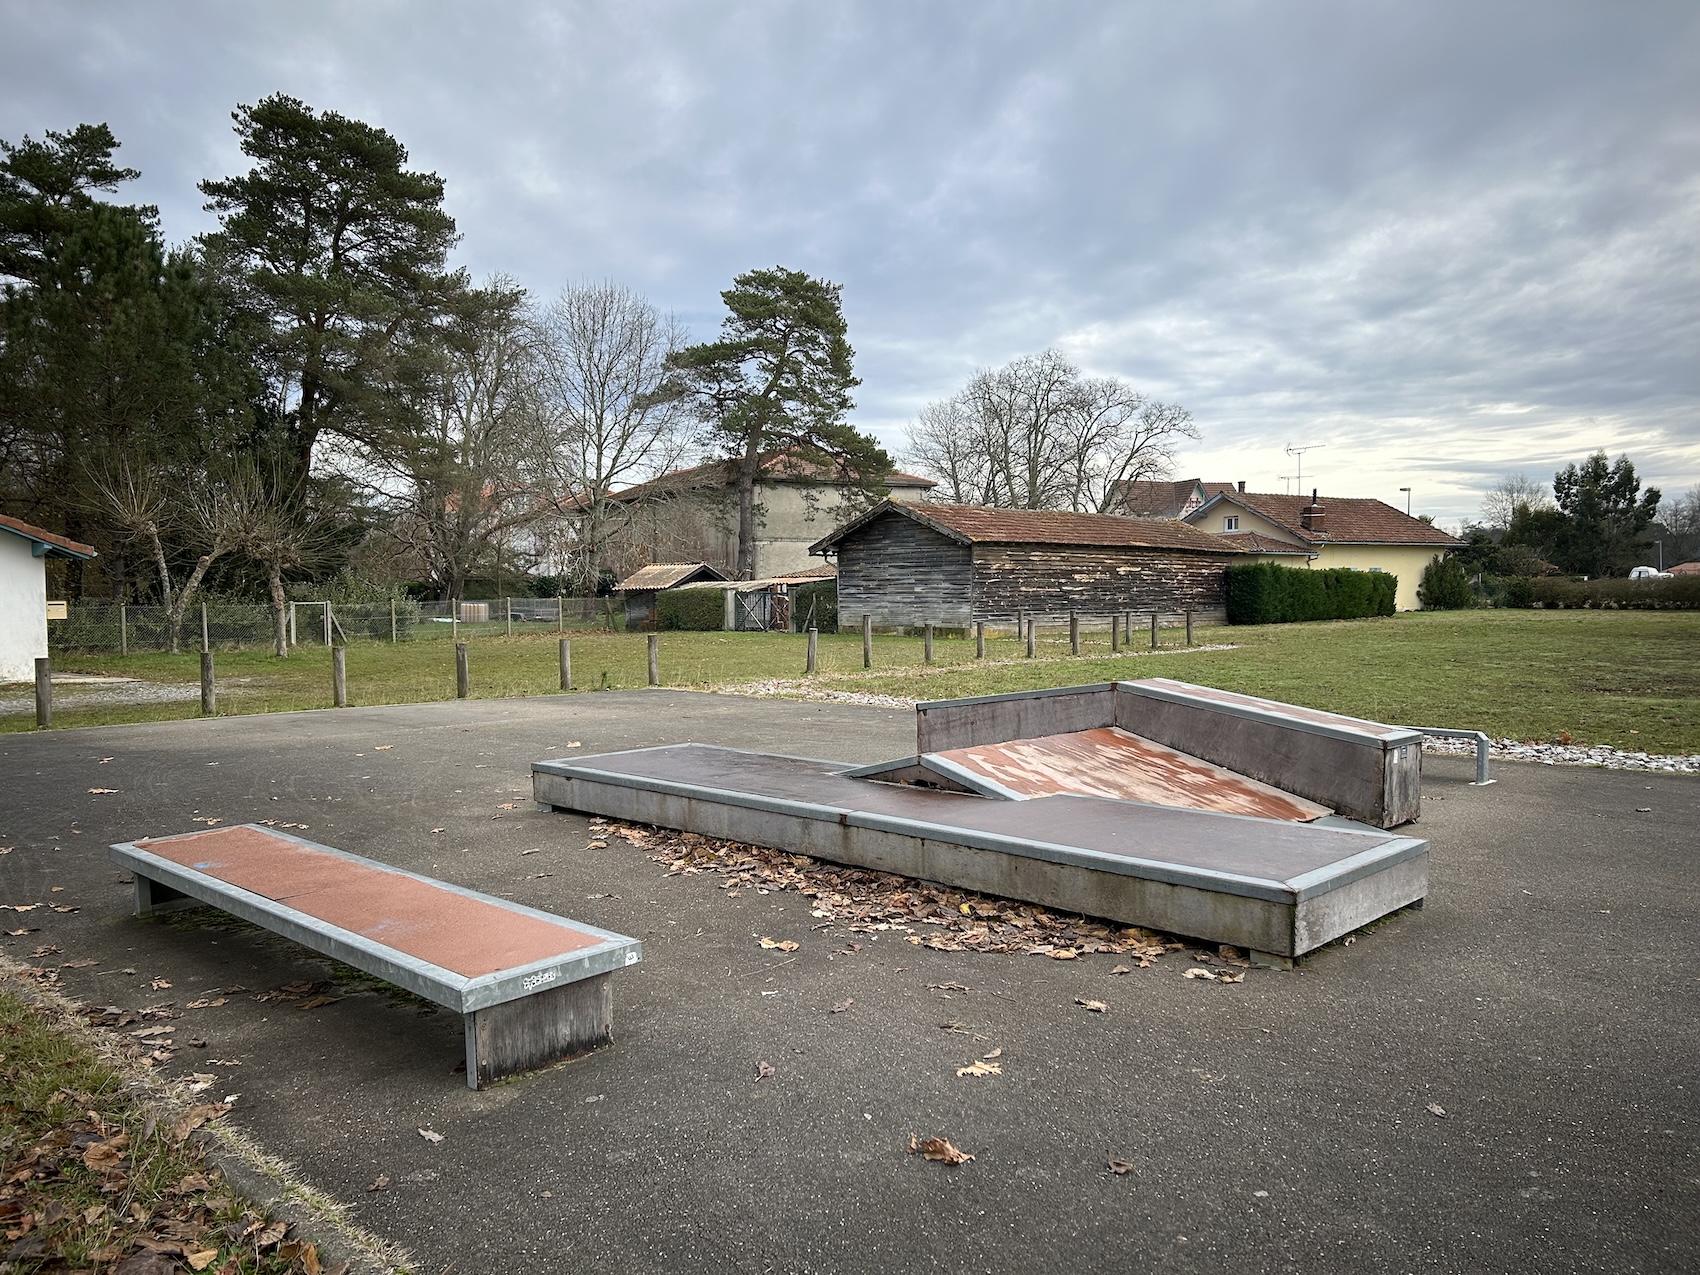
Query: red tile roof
[(977, 524), (1251, 542), (68, 548), (667, 575), (1348, 520)]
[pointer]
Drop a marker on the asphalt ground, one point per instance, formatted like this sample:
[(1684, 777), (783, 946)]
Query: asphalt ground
[(1545, 999)]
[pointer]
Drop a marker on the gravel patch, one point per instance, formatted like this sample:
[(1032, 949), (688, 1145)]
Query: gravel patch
[(96, 695)]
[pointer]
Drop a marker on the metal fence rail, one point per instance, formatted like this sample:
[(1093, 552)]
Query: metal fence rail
[(128, 630)]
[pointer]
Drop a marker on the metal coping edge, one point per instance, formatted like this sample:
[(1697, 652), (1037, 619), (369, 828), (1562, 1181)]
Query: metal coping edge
[(1402, 736)]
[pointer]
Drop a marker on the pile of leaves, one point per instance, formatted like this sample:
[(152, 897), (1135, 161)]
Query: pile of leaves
[(863, 901), (96, 1177)]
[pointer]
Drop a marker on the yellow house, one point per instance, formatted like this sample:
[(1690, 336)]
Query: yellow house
[(1341, 531)]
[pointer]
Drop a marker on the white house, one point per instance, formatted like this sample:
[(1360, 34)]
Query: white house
[(24, 551)]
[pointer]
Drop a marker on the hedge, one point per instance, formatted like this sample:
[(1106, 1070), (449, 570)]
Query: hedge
[(1679, 594), (822, 598), (1264, 593), (698, 610)]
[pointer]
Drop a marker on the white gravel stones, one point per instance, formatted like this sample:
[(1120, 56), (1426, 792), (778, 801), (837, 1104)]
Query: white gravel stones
[(1570, 755)]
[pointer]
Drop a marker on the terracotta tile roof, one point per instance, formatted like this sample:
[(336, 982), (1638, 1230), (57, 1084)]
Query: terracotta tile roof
[(67, 548), (1146, 498), (1251, 542), (667, 575), (778, 467), (1686, 569), (1348, 520), (977, 524)]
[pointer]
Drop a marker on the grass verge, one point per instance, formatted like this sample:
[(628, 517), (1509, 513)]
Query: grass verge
[(106, 1168), (1623, 678)]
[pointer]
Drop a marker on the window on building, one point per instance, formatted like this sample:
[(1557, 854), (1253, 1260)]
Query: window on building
[(1231, 523)]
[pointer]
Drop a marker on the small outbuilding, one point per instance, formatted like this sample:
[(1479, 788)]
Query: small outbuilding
[(951, 565), (24, 551), (639, 588)]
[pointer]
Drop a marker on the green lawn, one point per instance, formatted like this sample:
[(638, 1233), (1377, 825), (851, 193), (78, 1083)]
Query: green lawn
[(1626, 678)]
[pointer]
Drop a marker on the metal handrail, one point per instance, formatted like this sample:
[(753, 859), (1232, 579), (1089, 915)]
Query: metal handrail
[(1482, 745)]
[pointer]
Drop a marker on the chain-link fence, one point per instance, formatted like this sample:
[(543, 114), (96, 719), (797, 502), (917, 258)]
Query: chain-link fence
[(126, 630)]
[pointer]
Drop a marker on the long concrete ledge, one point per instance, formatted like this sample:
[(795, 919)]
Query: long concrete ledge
[(1277, 888)]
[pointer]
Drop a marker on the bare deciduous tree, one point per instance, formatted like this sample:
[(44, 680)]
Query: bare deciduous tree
[(612, 418), (460, 467), (1036, 434), (1504, 498), (153, 507)]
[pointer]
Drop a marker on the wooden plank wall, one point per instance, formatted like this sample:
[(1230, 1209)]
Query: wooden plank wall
[(1093, 579), (904, 575)]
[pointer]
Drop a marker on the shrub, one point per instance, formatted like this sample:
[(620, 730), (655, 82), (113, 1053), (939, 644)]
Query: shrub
[(816, 606), (696, 610), (1519, 593), (1445, 587), (1679, 594), (1265, 593)]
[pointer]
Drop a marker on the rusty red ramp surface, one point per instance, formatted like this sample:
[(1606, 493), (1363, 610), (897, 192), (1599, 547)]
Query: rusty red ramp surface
[(1111, 762), (429, 922)]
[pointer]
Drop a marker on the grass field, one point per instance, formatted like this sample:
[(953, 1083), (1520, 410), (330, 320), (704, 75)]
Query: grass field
[(1630, 679)]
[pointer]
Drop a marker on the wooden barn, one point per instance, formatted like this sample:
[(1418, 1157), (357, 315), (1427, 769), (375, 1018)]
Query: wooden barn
[(950, 565)]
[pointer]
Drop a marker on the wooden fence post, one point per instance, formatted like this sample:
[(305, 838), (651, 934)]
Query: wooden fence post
[(1153, 630), (339, 676), (979, 639), (1032, 639), (1074, 633), (1115, 633), (392, 621), (867, 641), (814, 637), (509, 602), (654, 659), (209, 692), (327, 623), (1189, 628), (729, 610), (927, 641), (205, 645), (566, 664), (463, 672), (123, 629), (292, 640), (43, 693)]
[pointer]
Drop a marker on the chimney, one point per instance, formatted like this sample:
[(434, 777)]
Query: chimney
[(1242, 486), (1312, 517)]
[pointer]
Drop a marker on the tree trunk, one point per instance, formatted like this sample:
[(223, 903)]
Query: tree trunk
[(747, 467), (175, 615), (280, 610)]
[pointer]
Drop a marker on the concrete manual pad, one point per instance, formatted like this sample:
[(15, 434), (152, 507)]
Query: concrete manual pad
[(1276, 887)]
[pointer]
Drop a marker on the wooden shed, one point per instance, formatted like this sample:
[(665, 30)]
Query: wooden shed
[(639, 588), (950, 565)]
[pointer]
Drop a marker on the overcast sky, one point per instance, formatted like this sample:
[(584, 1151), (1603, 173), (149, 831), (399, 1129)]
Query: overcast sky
[(1447, 241)]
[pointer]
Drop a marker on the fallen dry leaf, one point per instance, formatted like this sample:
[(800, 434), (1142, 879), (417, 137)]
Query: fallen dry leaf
[(938, 1149), (1120, 1167), (1435, 1109), (844, 1004), (764, 1069), (786, 945), (103, 790), (380, 1183), (201, 1260), (431, 1136), (1122, 969), (272, 1234), (1198, 971), (981, 1068), (101, 1156), (382, 748), (949, 987), (996, 1053), (209, 820), (1062, 954), (438, 830), (207, 1004), (197, 1116), (1092, 1007), (1231, 978)]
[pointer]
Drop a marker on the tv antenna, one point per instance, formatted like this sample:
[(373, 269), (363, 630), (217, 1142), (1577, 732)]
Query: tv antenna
[(1288, 480), (1300, 453)]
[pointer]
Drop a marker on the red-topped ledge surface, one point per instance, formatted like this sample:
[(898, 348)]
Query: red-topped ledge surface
[(468, 936)]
